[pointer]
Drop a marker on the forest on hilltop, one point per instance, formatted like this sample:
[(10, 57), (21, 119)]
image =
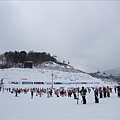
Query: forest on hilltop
[(13, 58)]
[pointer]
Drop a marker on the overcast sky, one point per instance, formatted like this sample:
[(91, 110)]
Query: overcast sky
[(86, 34)]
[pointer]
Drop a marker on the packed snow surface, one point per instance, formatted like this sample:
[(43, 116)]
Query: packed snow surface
[(54, 108), (57, 108)]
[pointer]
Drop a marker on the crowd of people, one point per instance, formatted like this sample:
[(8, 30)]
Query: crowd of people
[(99, 92)]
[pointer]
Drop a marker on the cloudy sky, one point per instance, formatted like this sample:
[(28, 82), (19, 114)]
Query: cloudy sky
[(84, 33)]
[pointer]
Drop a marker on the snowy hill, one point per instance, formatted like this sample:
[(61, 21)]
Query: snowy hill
[(114, 72), (46, 75), (53, 108)]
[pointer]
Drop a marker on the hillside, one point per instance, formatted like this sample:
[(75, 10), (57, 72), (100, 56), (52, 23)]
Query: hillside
[(115, 72), (46, 74)]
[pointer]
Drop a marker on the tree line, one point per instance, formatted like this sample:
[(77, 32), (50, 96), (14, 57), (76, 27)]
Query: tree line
[(13, 58)]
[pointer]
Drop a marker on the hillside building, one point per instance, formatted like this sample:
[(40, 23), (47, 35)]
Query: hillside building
[(28, 64)]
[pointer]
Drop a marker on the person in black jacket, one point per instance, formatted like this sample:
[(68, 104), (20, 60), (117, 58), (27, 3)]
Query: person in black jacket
[(16, 91), (96, 96), (118, 89), (83, 94), (31, 93)]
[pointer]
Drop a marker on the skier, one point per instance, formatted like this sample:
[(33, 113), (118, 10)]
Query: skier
[(9, 89), (69, 93), (57, 93), (115, 88), (108, 91), (100, 92), (31, 93), (89, 90), (104, 91), (37, 92), (48, 93), (118, 90), (74, 93), (83, 94), (78, 91), (40, 92), (16, 91), (96, 96)]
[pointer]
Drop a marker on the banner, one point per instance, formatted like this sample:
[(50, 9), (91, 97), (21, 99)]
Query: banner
[(58, 83), (13, 82), (27, 83), (55, 83), (38, 82)]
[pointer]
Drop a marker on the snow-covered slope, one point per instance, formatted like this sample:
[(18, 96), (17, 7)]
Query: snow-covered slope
[(115, 71), (57, 108), (46, 75)]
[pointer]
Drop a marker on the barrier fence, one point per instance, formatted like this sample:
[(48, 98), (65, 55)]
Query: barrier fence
[(49, 83)]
